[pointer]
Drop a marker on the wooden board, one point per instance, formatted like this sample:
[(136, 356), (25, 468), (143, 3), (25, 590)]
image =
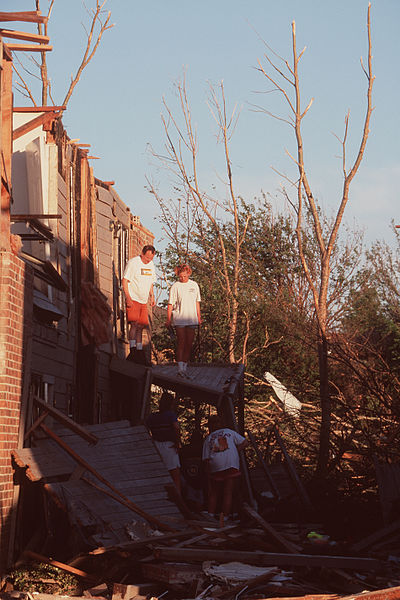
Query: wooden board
[(210, 382)]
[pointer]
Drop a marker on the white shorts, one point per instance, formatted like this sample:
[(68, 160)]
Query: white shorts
[(169, 454)]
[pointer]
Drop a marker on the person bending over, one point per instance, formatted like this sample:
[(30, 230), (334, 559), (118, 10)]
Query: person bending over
[(221, 455)]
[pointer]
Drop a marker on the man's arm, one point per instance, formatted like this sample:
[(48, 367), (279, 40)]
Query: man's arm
[(151, 296), (198, 312), (243, 445), (128, 299), (169, 315), (177, 432)]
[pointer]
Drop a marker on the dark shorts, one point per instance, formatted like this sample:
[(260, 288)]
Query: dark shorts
[(226, 474), (137, 313)]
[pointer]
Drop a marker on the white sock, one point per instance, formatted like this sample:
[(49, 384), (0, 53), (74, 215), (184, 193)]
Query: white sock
[(132, 343), (139, 346), (180, 366), (184, 365)]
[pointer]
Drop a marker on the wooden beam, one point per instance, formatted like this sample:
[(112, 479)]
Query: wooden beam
[(29, 47), (266, 559), (36, 122), (60, 565), (24, 35), (23, 218), (32, 109), (32, 16), (64, 420)]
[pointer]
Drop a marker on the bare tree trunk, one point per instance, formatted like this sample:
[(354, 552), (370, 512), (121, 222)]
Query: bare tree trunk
[(318, 282)]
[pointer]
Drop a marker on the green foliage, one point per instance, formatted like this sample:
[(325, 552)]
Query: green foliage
[(44, 578)]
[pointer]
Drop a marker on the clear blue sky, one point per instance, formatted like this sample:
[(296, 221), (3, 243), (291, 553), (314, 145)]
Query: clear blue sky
[(117, 105)]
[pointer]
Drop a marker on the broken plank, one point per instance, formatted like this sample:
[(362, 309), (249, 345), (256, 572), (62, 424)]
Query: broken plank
[(60, 565), (29, 47), (62, 418), (267, 559), (32, 16), (277, 537), (24, 35)]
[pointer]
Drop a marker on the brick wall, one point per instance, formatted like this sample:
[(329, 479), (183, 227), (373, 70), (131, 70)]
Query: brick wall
[(15, 328)]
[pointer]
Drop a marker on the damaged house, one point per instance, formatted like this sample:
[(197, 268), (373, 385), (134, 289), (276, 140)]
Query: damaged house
[(65, 239)]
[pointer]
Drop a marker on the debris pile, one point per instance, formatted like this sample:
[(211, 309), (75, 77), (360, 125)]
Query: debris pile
[(98, 505)]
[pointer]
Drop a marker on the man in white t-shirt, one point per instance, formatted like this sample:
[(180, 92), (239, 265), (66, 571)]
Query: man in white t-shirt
[(221, 456), (137, 283)]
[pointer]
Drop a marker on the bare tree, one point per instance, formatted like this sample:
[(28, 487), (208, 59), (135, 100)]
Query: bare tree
[(98, 25), (196, 209), (286, 81)]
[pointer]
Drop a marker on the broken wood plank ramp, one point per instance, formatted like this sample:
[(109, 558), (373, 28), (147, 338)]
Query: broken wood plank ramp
[(125, 456)]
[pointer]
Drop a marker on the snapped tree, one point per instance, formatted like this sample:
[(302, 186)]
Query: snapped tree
[(286, 80)]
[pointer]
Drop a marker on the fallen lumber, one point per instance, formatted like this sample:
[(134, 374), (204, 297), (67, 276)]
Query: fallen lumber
[(64, 420), (147, 541), (277, 537), (266, 559), (60, 565), (100, 477)]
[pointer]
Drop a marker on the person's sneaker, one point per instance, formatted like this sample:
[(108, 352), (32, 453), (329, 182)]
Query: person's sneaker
[(181, 374)]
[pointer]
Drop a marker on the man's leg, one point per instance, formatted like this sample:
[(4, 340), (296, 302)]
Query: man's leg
[(227, 496), (176, 477), (212, 496)]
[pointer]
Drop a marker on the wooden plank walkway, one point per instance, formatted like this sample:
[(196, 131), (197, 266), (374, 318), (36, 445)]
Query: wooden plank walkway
[(208, 382), (125, 456)]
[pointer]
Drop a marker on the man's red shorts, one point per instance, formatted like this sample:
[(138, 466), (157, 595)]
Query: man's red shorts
[(137, 313), (231, 473)]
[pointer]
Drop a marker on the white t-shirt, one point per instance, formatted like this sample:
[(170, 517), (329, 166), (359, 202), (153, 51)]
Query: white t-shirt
[(184, 298), (221, 448), (140, 278)]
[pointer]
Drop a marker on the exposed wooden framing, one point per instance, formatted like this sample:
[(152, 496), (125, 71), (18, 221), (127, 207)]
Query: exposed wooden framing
[(24, 35), (23, 218), (93, 157), (100, 477), (266, 559), (31, 16), (62, 418), (35, 109), (36, 122), (5, 147), (29, 47)]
